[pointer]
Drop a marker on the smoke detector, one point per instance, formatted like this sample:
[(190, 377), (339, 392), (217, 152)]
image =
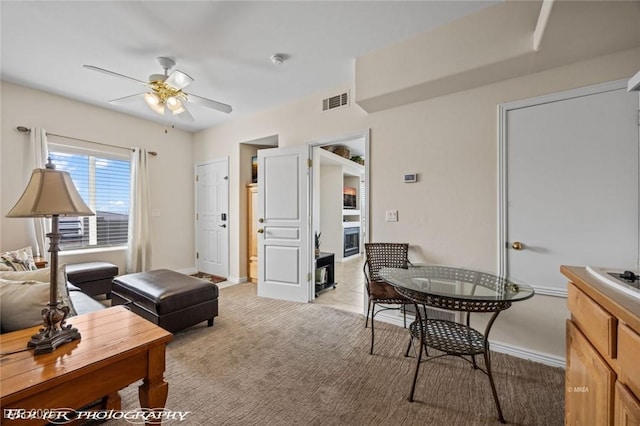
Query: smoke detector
[(278, 58)]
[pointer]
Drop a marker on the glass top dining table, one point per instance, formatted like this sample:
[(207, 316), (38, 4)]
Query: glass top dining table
[(433, 282), (455, 289)]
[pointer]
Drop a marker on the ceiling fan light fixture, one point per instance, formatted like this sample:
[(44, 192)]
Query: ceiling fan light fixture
[(154, 102), (174, 104), (151, 99), (165, 91)]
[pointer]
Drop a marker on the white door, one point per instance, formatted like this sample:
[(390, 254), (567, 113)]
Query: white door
[(212, 218), (283, 228), (571, 184)]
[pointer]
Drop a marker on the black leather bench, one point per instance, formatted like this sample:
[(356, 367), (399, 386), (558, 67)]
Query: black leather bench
[(93, 278), (172, 300)]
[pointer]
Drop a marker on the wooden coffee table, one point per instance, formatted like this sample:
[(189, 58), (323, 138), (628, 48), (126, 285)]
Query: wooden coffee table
[(117, 348)]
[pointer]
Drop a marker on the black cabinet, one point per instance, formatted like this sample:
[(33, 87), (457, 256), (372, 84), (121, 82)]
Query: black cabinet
[(325, 272)]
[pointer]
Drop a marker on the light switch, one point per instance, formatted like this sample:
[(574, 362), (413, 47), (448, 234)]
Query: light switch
[(391, 216)]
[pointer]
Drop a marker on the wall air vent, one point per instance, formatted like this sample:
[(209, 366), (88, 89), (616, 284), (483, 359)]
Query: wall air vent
[(336, 101)]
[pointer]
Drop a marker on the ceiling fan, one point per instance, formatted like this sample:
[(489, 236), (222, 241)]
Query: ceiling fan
[(165, 95)]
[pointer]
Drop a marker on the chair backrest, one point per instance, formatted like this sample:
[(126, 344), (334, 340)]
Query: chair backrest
[(381, 255)]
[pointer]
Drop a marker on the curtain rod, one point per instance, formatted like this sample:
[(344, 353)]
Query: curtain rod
[(24, 129)]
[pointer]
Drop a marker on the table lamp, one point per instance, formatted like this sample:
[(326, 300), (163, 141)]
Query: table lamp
[(51, 193)]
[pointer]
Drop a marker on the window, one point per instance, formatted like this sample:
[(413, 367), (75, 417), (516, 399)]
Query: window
[(103, 182)]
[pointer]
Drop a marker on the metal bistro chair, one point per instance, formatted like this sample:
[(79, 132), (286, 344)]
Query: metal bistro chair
[(380, 255)]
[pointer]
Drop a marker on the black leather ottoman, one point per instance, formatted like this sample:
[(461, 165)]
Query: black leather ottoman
[(172, 300), (93, 278)]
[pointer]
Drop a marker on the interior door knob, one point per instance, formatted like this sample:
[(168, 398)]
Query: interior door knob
[(517, 245), (260, 231), (261, 220)]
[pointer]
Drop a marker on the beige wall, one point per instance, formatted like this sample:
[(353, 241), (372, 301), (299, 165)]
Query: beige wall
[(450, 215), (291, 124), (171, 172)]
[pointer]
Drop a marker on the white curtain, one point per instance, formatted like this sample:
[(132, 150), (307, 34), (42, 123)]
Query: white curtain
[(36, 159), (139, 252)]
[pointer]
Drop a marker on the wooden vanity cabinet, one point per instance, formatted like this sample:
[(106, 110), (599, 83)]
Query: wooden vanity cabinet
[(602, 381), (627, 408), (589, 382), (627, 395)]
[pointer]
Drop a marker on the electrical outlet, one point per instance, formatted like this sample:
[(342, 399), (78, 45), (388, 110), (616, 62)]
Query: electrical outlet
[(391, 216)]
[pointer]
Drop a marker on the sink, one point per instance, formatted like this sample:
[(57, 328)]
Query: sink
[(612, 277)]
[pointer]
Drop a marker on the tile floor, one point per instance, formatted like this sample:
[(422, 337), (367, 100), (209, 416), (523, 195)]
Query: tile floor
[(349, 292)]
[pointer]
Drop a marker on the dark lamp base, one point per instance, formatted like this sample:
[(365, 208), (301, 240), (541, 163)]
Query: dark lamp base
[(55, 332), (44, 342)]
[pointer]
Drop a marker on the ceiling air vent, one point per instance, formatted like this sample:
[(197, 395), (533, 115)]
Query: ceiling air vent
[(336, 101)]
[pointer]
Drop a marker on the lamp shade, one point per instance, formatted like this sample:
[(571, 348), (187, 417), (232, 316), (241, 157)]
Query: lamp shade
[(50, 192)]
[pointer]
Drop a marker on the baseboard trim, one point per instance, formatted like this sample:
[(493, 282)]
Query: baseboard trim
[(392, 319), (225, 284), (518, 352), (542, 358), (188, 271)]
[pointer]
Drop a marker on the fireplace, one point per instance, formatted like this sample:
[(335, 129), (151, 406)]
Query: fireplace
[(351, 241)]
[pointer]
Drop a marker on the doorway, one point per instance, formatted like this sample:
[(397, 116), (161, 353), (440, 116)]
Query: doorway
[(288, 216), (248, 217), (212, 218), (340, 212)]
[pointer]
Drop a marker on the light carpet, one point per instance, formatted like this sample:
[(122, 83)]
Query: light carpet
[(271, 362)]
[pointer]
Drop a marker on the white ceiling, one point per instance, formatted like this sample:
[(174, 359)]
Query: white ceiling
[(225, 46)]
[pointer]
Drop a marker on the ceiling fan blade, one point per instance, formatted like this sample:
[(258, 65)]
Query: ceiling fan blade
[(128, 99), (185, 114), (178, 80), (115, 74), (209, 103)]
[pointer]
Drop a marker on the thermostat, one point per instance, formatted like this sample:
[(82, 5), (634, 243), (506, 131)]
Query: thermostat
[(410, 177)]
